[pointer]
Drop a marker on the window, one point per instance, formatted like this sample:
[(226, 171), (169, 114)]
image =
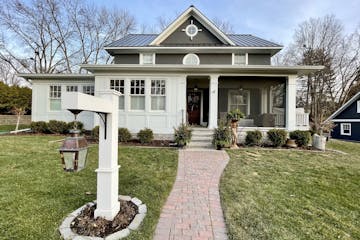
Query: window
[(191, 59), (89, 90), (71, 88), (358, 106), (345, 129), (137, 95), (55, 98), (147, 58), (158, 95), (239, 99), (118, 85), (239, 59)]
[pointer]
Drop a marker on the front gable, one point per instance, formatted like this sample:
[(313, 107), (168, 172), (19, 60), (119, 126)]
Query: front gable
[(209, 34), (203, 37), (350, 110)]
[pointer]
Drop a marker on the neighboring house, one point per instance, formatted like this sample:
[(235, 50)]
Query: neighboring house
[(347, 120), (191, 72)]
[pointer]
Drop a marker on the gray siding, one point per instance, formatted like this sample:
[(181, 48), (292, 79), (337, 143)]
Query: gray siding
[(204, 58), (169, 58), (126, 59), (259, 59), (179, 37)]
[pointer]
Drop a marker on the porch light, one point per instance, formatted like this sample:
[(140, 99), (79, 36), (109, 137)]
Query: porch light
[(74, 152)]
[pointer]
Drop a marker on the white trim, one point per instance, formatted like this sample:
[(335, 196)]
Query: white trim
[(200, 48), (248, 100), (348, 103), (342, 125), (233, 59), (192, 11), (141, 59), (345, 120), (358, 106)]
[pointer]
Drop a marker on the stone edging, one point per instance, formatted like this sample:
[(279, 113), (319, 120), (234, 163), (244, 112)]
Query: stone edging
[(68, 234)]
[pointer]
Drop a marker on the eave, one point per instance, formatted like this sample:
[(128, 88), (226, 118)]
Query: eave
[(343, 107), (59, 76), (201, 69)]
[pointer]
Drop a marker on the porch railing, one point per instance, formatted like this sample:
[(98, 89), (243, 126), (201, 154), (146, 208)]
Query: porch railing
[(302, 119)]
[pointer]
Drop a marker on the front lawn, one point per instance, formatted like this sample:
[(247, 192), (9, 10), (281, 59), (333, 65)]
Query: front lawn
[(35, 193), (272, 194)]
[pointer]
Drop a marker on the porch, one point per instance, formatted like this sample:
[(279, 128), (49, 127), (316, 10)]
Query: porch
[(266, 101)]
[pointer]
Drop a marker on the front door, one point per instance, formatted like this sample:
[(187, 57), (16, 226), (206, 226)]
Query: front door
[(193, 107)]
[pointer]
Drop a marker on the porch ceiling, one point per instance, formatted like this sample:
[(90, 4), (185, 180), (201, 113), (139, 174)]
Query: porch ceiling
[(207, 69)]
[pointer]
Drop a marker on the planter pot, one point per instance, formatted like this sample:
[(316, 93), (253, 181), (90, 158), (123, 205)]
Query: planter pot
[(291, 143), (319, 142), (234, 124), (219, 147)]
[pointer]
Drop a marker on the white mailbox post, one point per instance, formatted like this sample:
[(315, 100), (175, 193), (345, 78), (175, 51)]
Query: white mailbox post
[(107, 201)]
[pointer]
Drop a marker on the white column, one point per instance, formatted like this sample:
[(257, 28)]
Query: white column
[(213, 101), (291, 103), (108, 204)]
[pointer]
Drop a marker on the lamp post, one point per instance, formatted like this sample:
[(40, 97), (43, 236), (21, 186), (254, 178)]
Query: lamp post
[(106, 106)]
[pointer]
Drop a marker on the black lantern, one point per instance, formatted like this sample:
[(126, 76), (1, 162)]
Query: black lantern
[(74, 152)]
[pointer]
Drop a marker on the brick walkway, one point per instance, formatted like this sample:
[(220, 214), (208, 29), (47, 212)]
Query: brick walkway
[(193, 209)]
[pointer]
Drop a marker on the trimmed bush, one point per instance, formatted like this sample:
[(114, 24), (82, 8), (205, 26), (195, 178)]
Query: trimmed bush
[(71, 125), (95, 132), (145, 135), (253, 138), (39, 127), (182, 135), (124, 135), (55, 126), (277, 137), (302, 138), (222, 136)]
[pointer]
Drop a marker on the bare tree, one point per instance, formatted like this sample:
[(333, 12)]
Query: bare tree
[(48, 36), (223, 25)]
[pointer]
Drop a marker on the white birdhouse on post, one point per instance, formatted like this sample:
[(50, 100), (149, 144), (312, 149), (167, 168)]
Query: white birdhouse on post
[(106, 106)]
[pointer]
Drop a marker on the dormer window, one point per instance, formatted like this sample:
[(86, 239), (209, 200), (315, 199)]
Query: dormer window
[(191, 59), (240, 59), (147, 58)]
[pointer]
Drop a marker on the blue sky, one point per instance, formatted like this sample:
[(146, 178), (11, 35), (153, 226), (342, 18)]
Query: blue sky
[(269, 19)]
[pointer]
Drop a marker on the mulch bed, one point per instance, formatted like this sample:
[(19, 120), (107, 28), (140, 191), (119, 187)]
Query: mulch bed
[(86, 225)]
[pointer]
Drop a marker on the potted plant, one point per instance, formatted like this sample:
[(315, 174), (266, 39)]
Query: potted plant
[(222, 136), (182, 135), (233, 117)]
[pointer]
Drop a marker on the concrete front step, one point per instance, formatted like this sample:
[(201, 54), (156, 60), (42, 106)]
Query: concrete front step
[(201, 138), (200, 145)]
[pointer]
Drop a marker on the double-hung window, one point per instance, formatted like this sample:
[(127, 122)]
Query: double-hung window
[(239, 59), (89, 90), (72, 88), (119, 85), (55, 97), (345, 129), (158, 97), (147, 58), (137, 94), (239, 99)]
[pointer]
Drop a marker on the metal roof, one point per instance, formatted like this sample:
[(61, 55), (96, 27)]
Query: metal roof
[(144, 40)]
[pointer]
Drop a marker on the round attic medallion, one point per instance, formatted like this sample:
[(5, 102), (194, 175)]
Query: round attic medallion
[(191, 30)]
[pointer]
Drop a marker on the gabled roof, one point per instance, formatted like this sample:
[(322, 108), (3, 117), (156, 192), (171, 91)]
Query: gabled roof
[(194, 12), (144, 40), (343, 107)]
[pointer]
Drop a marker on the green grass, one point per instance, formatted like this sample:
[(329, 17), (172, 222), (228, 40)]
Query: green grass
[(270, 194), (35, 193), (8, 128)]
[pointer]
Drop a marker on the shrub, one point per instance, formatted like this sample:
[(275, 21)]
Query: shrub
[(253, 138), (182, 135), (71, 125), (55, 126), (145, 135), (124, 135), (39, 127), (95, 132), (222, 136), (302, 138), (277, 137)]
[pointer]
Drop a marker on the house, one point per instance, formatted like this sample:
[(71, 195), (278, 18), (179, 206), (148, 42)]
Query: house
[(191, 72), (347, 120)]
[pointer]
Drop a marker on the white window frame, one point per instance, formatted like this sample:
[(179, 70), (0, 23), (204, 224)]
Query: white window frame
[(191, 55), (246, 59), (142, 58), (158, 95), (342, 128), (57, 96), (72, 88), (358, 106), (138, 94), (248, 100), (88, 89), (119, 88)]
